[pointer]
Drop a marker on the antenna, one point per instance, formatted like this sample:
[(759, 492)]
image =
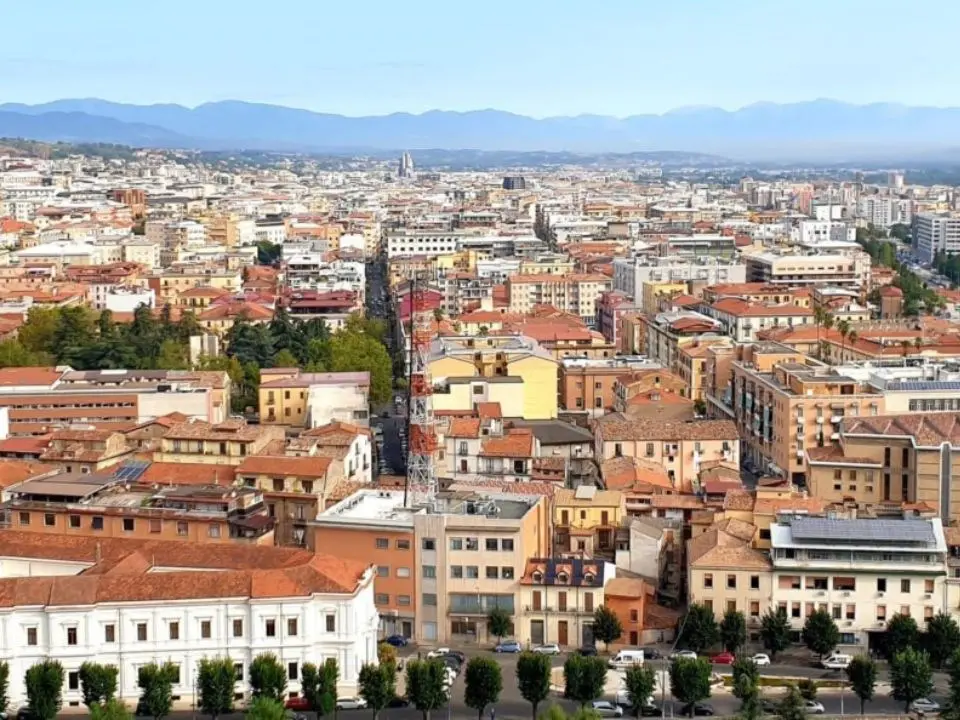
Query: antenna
[(421, 480)]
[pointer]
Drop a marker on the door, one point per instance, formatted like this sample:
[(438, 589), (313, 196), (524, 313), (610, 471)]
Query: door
[(536, 632), (407, 629), (562, 638)]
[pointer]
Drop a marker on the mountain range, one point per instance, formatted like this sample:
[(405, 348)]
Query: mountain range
[(814, 130)]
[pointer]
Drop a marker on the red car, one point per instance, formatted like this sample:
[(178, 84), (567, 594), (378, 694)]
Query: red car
[(298, 704), (724, 658)]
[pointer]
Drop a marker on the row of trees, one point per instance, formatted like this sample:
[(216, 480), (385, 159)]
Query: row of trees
[(700, 631), (917, 296)]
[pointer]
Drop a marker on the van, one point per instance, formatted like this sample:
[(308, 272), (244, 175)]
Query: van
[(836, 661), (626, 658)]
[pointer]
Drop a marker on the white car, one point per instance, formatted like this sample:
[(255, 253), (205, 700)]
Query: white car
[(548, 649), (438, 653), (351, 703), (761, 659), (813, 707), (683, 654), (925, 705), (606, 709)]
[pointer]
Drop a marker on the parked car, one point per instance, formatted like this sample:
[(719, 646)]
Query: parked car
[(510, 646), (700, 709), (456, 655), (396, 641), (398, 702), (651, 711), (351, 703), (925, 705), (547, 649), (624, 701), (769, 707), (652, 654), (761, 659), (452, 663), (299, 704), (684, 654), (438, 653), (587, 651), (605, 708), (724, 658), (813, 707)]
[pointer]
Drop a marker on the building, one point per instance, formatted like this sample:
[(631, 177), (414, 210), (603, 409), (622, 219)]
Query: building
[(842, 270), (291, 397), (576, 293), (116, 601), (589, 386), (226, 443), (934, 233), (630, 275), (585, 520)]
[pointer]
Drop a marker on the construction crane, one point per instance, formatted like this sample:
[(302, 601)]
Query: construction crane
[(421, 482)]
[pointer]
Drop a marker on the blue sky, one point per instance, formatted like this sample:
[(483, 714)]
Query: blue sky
[(535, 57)]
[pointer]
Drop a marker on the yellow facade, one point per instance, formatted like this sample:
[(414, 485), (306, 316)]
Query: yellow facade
[(283, 406), (652, 291), (540, 386), (462, 396), (605, 508)]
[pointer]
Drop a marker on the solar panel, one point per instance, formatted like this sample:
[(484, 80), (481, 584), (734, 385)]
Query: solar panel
[(919, 385), (868, 531), (131, 470)]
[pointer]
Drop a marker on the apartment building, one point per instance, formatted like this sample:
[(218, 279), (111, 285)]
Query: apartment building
[(590, 386), (631, 274), (742, 319), (808, 270), (117, 601), (291, 397), (486, 361), (575, 293), (226, 443), (680, 447), (468, 555), (892, 458), (585, 520), (480, 448), (667, 332), (785, 402), (170, 282), (933, 233)]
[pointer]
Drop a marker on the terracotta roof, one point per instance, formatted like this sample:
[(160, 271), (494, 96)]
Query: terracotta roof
[(315, 467), (16, 471), (518, 443), (25, 445), (771, 506), (225, 431), (464, 427), (739, 499), (12, 376), (161, 473), (489, 410), (635, 474), (617, 426), (627, 587), (927, 429)]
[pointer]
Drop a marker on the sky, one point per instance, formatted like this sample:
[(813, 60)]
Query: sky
[(533, 57)]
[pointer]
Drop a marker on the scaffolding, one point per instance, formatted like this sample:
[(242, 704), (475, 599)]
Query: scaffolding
[(422, 433)]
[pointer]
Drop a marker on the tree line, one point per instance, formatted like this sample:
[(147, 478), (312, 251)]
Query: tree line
[(917, 296)]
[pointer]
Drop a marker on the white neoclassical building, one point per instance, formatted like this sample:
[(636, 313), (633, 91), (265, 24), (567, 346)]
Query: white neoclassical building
[(132, 602)]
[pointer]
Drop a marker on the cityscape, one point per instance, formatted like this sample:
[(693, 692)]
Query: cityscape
[(355, 409)]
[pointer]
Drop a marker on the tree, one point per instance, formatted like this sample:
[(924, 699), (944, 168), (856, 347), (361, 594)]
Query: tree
[(746, 687), (499, 622), (690, 680), (356, 352), (4, 686), (98, 683), (733, 631), (37, 333), (745, 674), (951, 709), (699, 629), (172, 355), (533, 678), (44, 681), (808, 689), (792, 706), (330, 674), (775, 631), (14, 354), (426, 688), (268, 253), (862, 672), (606, 625), (583, 678), (264, 707), (910, 676), (311, 688), (483, 682), (285, 359), (387, 655), (941, 640), (640, 682), (112, 709), (377, 686), (156, 688), (902, 633), (820, 633), (216, 678), (268, 678)]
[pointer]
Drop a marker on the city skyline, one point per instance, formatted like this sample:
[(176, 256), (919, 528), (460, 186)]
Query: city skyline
[(538, 60)]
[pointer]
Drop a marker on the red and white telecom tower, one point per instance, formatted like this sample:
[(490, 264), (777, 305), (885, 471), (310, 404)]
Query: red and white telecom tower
[(421, 471)]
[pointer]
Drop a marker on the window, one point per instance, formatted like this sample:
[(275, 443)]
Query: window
[(429, 544), (430, 599), (731, 582), (461, 448), (506, 573), (837, 612), (292, 670), (634, 615), (456, 543), (383, 571), (708, 580), (881, 612), (928, 586), (795, 610), (851, 612), (73, 680), (271, 628), (96, 522), (403, 572), (129, 524), (472, 572), (492, 572), (403, 544), (492, 544), (905, 585), (403, 600), (754, 609), (24, 518), (206, 628), (238, 671), (754, 582), (649, 450), (31, 636), (49, 519), (71, 636), (182, 528), (141, 632), (174, 630), (456, 572), (109, 633), (473, 544), (237, 627), (156, 525), (506, 544), (881, 584), (331, 623), (381, 599), (382, 543), (429, 572)]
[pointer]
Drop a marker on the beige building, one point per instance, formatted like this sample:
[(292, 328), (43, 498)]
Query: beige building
[(575, 293), (797, 270), (227, 443)]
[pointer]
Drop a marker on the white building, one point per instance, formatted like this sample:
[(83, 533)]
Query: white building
[(126, 299), (179, 602), (422, 242), (629, 275), (933, 233), (884, 211)]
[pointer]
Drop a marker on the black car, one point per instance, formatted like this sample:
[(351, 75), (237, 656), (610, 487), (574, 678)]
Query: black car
[(587, 651), (398, 702), (651, 711), (453, 663), (652, 654), (698, 709), (769, 707), (460, 657)]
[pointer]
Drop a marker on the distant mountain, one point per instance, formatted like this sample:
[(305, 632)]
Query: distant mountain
[(819, 129)]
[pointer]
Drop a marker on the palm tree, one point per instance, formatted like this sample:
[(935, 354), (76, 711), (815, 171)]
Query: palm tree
[(843, 327), (819, 314), (438, 316), (904, 346), (828, 321), (852, 337), (918, 343)]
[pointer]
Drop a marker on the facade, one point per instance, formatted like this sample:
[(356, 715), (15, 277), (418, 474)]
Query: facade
[(585, 520), (808, 270), (300, 399), (576, 293), (630, 275), (933, 233)]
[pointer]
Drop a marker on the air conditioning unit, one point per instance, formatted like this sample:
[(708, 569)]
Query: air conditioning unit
[(846, 593), (928, 596), (880, 594)]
